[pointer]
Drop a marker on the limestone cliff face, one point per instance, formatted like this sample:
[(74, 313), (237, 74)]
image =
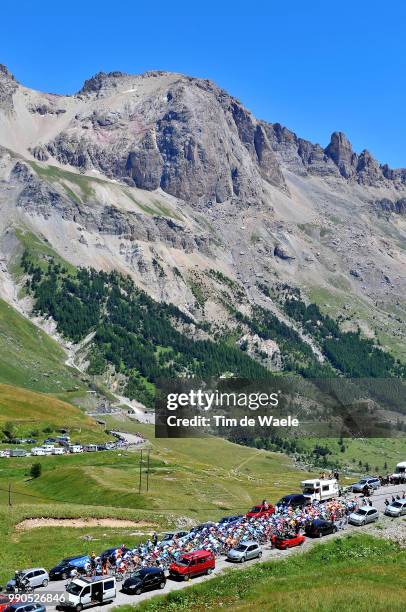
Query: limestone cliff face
[(184, 135)]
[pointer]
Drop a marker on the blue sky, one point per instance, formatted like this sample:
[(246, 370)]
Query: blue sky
[(311, 65)]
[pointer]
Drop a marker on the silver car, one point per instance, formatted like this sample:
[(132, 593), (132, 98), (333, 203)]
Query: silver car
[(244, 551), (396, 508), (36, 576), (364, 515), (369, 481)]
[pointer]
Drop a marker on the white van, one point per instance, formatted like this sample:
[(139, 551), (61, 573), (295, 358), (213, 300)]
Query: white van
[(400, 472), (58, 451), (38, 451), (320, 489), (75, 448), (85, 592)]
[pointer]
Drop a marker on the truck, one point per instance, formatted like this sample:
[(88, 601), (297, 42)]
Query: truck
[(86, 592), (320, 489), (399, 475)]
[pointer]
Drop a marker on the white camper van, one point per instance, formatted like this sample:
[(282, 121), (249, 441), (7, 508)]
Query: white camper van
[(37, 451), (320, 489), (75, 448), (58, 451), (85, 592), (400, 472)]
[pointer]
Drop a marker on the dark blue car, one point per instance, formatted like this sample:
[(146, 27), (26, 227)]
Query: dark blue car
[(229, 520), (63, 570), (295, 500)]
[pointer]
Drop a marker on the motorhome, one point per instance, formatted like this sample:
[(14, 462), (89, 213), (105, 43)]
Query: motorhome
[(400, 472), (90, 448), (320, 489), (58, 451), (85, 592), (75, 448), (38, 451), (48, 449)]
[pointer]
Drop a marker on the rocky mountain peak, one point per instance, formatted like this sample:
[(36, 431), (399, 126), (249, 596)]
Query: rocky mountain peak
[(100, 81), (340, 151), (5, 73)]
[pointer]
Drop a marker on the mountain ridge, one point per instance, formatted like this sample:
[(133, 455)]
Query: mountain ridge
[(168, 178), (339, 149)]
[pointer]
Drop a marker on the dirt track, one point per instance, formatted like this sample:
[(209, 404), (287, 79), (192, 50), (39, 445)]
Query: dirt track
[(79, 523)]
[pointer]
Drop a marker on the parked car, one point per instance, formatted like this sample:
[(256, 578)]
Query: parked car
[(171, 535), (4, 602), (86, 592), (193, 564), (228, 520), (295, 500), (63, 570), (319, 528), (36, 577), (244, 551), (364, 515), (145, 579), (369, 481), (288, 541), (111, 553), (260, 510), (202, 526), (26, 607), (396, 508)]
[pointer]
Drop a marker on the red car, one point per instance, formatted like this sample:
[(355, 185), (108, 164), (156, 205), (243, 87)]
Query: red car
[(4, 602), (260, 511), (287, 541), (193, 564)]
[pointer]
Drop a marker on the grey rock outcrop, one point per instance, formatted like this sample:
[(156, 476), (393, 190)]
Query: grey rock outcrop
[(390, 206), (194, 141), (340, 151), (38, 197), (8, 86), (338, 159)]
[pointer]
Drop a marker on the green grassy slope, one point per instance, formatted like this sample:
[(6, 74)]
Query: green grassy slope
[(202, 479), (28, 412), (45, 546), (30, 358), (355, 574)]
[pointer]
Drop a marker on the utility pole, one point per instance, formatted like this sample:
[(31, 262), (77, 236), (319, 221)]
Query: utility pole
[(139, 486), (148, 469)]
